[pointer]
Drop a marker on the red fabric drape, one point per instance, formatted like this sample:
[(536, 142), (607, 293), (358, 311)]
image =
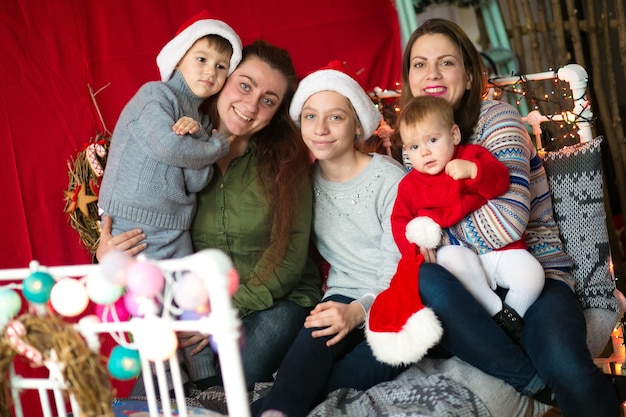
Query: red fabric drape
[(51, 50)]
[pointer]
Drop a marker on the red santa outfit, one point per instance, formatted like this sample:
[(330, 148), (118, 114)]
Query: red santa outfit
[(400, 328), (444, 200)]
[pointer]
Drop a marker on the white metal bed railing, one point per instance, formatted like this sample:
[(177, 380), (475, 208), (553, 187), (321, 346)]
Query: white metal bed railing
[(222, 324)]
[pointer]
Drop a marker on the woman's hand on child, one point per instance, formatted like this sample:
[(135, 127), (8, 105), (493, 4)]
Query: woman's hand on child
[(131, 242), (186, 125), (336, 319)]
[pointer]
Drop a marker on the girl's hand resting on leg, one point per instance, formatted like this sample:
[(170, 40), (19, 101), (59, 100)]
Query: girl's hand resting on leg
[(337, 319)]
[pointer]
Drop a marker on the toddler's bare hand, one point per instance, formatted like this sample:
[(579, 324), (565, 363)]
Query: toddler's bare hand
[(186, 125), (459, 169), (229, 138)]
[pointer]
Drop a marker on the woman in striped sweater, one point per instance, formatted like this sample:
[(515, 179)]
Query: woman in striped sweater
[(552, 355)]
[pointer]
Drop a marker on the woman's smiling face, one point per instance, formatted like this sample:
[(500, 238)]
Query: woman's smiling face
[(436, 68), (250, 98)]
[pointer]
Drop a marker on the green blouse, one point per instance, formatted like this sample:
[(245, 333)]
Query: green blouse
[(232, 214)]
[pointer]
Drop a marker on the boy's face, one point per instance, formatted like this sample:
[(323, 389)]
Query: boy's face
[(204, 69), (429, 144)]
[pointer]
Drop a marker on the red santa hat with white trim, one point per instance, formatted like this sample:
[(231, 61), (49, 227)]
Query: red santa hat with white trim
[(200, 25), (337, 77), (400, 329)]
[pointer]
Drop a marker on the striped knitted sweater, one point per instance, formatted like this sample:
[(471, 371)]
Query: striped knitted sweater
[(525, 207)]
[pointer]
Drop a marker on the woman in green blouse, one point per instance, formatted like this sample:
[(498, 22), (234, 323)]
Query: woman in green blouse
[(257, 208)]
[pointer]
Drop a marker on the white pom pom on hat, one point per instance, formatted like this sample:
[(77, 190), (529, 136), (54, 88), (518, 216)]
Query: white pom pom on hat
[(336, 77), (201, 25), (424, 232)]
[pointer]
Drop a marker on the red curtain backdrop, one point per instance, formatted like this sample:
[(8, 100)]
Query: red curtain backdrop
[(51, 50)]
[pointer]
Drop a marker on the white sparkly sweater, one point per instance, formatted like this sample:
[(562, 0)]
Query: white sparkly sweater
[(352, 229)]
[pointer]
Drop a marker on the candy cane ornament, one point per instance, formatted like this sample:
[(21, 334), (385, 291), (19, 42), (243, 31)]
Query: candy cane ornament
[(15, 331), (93, 151)]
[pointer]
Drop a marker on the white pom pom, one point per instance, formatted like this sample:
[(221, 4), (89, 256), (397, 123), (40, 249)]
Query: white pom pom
[(424, 232)]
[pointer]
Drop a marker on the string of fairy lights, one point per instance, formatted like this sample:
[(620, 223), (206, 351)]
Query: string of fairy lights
[(555, 101), (562, 113)]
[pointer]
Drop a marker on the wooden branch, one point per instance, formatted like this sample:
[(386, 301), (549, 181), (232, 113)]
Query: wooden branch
[(615, 134), (574, 31), (546, 39), (535, 50), (621, 32), (607, 107), (516, 31), (559, 33)]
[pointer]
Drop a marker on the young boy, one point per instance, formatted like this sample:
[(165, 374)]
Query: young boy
[(153, 171), (449, 181)]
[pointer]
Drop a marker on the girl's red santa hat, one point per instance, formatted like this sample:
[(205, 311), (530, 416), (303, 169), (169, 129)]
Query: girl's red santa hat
[(201, 25), (338, 78)]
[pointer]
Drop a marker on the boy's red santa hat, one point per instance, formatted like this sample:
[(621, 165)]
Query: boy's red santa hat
[(400, 329), (201, 25), (338, 78)]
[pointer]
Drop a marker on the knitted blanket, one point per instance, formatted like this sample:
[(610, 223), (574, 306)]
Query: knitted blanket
[(432, 388)]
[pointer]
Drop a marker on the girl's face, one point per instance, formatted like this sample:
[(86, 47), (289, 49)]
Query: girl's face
[(250, 98), (328, 125), (429, 144), (436, 69), (204, 69)]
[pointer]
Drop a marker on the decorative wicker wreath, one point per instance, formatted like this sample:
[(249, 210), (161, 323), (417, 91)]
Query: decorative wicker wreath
[(86, 169), (48, 340)]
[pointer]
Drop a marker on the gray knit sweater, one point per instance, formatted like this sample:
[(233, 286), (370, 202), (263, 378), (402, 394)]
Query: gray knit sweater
[(352, 229), (152, 174)]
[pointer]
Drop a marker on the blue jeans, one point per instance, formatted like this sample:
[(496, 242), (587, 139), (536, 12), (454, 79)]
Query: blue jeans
[(268, 336), (553, 346), (311, 370), (555, 340)]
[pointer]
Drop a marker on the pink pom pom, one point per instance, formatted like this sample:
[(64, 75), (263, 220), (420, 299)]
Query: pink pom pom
[(139, 305), (191, 292), (113, 266), (114, 312), (233, 281), (144, 278)]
